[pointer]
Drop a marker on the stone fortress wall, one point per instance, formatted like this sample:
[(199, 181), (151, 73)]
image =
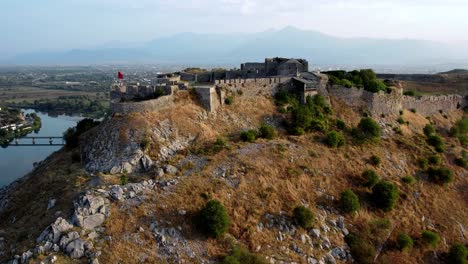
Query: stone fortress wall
[(384, 103), (429, 105), (266, 78), (253, 87), (212, 97), (158, 104)]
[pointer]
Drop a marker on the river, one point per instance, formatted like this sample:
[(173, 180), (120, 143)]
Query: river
[(16, 161)]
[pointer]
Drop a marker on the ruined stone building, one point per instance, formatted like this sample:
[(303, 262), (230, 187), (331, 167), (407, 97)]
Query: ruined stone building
[(276, 67)]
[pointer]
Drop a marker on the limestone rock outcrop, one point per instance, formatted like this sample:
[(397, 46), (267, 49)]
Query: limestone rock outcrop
[(115, 148)]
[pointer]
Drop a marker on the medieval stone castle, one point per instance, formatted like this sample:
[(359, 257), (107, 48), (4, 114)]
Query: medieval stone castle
[(266, 78)]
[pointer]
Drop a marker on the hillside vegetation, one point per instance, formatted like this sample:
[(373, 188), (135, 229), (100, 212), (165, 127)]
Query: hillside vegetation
[(265, 180)]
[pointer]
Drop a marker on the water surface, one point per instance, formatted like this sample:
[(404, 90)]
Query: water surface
[(15, 161)]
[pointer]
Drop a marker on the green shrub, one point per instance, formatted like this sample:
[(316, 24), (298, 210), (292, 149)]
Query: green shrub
[(375, 86), (429, 130), (460, 131), (458, 254), (408, 179), (313, 115), (303, 216), (385, 195), (346, 83), (404, 242), (440, 175), (145, 143), (371, 178), (229, 100), (249, 135), (362, 251), (72, 135), (297, 131), (461, 162), (430, 238), (460, 128), (409, 93), (213, 219), (375, 160), (400, 120), (283, 97), (440, 149), (340, 124), (423, 163), (267, 131), (435, 140), (435, 160), (219, 145), (242, 256), (367, 129), (349, 201), (335, 139), (124, 178)]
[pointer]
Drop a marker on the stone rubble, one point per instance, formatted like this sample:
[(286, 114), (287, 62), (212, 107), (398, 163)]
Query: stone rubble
[(91, 211), (76, 236), (315, 239)]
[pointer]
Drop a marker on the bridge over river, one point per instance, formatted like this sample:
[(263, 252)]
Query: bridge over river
[(37, 142)]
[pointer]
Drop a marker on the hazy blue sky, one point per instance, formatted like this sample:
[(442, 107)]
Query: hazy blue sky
[(28, 25)]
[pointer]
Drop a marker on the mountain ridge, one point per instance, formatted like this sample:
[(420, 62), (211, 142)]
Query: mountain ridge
[(230, 49)]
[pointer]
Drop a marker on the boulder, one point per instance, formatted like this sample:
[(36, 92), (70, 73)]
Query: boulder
[(159, 172), (315, 233), (75, 249), (93, 221), (146, 163), (341, 224), (68, 238), (170, 169), (26, 256), (54, 231), (93, 203), (116, 192)]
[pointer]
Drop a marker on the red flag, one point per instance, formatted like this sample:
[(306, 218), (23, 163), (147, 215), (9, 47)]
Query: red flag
[(120, 75)]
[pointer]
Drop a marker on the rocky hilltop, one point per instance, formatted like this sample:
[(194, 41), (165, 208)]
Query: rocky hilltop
[(134, 189)]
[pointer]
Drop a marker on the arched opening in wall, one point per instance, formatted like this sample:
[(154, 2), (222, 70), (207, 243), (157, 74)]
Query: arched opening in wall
[(458, 106)]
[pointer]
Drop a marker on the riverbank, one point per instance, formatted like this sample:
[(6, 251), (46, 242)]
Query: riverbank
[(85, 105), (17, 161), (16, 124)]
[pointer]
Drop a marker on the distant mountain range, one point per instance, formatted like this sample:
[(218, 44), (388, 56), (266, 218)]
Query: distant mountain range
[(230, 49)]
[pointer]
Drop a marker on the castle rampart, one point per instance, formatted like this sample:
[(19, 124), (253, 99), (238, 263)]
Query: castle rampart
[(254, 86), (429, 105), (391, 103), (158, 104)]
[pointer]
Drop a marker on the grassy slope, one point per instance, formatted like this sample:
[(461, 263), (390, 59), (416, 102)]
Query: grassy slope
[(27, 216), (273, 176)]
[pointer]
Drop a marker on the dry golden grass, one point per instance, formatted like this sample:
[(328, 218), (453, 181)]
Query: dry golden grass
[(275, 176), (123, 230), (27, 217)]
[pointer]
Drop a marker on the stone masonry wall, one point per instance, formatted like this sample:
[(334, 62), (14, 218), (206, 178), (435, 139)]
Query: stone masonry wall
[(144, 106), (351, 96), (209, 98), (429, 105), (383, 103), (253, 87)]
